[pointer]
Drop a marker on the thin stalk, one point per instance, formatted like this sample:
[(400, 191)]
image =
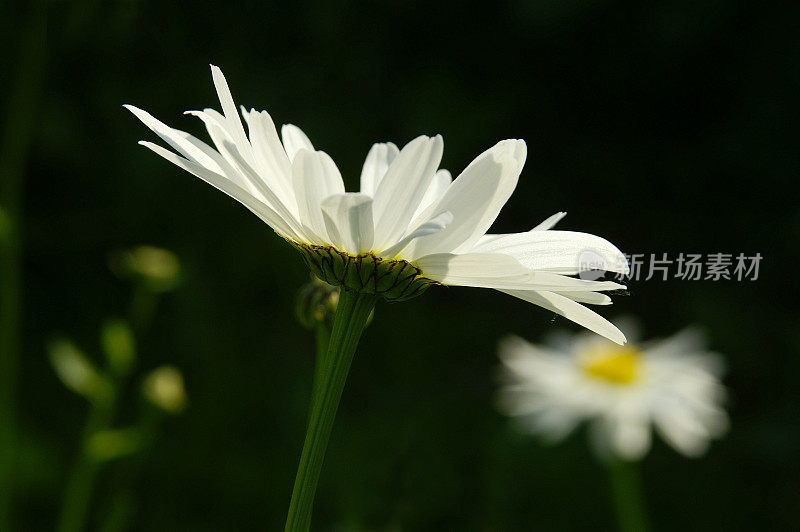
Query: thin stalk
[(122, 507), (78, 493), (142, 308), (16, 138), (348, 324), (626, 490), (323, 337)]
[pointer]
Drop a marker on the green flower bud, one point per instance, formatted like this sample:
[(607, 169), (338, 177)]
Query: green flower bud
[(316, 303), (158, 268), (77, 372), (119, 346), (164, 388)]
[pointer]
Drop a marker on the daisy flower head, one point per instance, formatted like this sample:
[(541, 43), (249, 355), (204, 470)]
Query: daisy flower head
[(672, 385), (410, 226)]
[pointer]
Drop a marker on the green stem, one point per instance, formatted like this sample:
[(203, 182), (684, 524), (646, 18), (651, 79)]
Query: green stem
[(323, 337), (348, 324), (626, 489), (78, 493), (16, 138), (142, 308), (122, 508)]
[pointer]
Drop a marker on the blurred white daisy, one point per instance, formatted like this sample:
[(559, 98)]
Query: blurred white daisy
[(411, 225), (672, 384)]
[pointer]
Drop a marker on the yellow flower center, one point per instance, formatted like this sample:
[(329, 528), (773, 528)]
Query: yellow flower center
[(615, 364)]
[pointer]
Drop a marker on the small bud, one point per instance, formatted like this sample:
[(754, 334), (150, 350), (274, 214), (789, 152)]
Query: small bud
[(316, 303), (77, 372), (164, 388), (119, 346), (158, 268), (109, 444)]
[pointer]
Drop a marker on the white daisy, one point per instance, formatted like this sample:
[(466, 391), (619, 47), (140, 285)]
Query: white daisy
[(672, 384), (411, 225)]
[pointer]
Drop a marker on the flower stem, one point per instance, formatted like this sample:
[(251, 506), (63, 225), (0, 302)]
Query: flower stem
[(323, 337), (78, 493), (16, 139), (348, 324), (626, 489)]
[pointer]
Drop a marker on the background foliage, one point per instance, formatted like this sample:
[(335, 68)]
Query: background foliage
[(665, 127)]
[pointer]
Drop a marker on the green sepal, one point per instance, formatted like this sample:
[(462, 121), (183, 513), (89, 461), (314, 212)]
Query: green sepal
[(392, 279), (366, 270)]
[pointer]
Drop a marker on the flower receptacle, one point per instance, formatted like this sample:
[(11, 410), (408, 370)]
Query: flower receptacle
[(392, 279)]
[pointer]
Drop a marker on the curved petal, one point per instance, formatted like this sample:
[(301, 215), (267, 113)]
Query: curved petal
[(218, 131), (572, 311), (378, 160), (494, 270), (402, 188), (481, 270), (294, 140), (232, 120), (315, 177), (544, 226), (264, 188), (188, 146), (629, 429), (441, 181), (475, 199), (270, 157), (564, 252), (434, 225), (550, 222), (348, 218), (590, 298)]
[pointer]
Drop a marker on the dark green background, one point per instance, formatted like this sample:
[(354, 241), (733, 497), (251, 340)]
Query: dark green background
[(664, 127)]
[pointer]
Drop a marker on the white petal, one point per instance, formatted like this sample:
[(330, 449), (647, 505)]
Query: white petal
[(560, 283), (400, 191), (494, 270), (552, 422), (270, 157), (441, 181), (564, 252), (264, 189), (233, 122), (481, 270), (526, 360), (187, 145), (590, 298), (684, 342), (550, 222), (682, 430), (572, 311), (294, 140), (378, 160), (434, 225), (257, 207), (215, 123), (631, 436), (218, 131), (475, 198), (315, 177), (348, 218)]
